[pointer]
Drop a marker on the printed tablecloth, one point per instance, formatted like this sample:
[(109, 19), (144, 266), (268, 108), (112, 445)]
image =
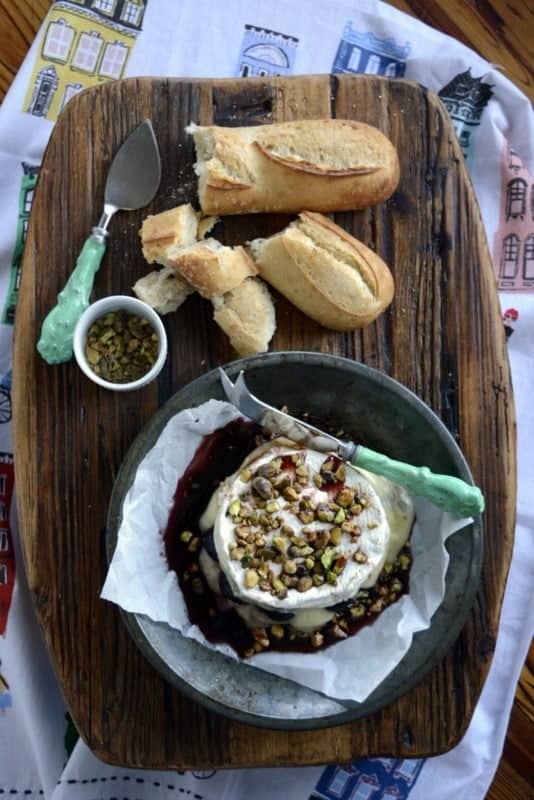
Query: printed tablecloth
[(85, 42)]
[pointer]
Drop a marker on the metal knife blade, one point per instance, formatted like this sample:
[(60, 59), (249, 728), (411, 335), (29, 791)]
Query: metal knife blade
[(135, 173), (282, 424)]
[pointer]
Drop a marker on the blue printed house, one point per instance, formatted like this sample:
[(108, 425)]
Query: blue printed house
[(365, 52)]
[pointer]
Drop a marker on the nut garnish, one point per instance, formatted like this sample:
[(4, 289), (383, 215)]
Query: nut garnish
[(263, 487), (304, 583), (121, 347)]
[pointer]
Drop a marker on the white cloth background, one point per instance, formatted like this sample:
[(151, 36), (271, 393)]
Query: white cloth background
[(209, 38)]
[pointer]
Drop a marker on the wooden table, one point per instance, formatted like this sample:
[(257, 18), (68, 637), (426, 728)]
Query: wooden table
[(500, 32)]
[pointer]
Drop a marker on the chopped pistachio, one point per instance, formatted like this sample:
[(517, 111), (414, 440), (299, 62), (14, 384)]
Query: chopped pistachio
[(339, 565), (186, 536), (290, 581), (324, 514), (251, 578), (289, 567), (345, 497), (234, 507), (246, 475), (405, 561), (263, 488), (280, 543), (338, 632), (340, 473), (336, 536), (290, 493), (328, 557), (277, 584), (378, 605), (340, 517), (277, 631), (304, 583)]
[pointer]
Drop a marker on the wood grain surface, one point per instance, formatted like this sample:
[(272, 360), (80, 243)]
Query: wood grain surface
[(500, 31), (442, 337)]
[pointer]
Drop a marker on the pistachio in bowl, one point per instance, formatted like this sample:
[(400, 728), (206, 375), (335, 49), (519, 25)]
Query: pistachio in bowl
[(120, 343)]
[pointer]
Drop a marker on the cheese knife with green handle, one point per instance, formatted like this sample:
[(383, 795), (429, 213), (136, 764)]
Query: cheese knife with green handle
[(445, 491), (132, 182)]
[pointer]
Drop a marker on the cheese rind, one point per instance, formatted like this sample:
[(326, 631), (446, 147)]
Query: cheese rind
[(371, 542)]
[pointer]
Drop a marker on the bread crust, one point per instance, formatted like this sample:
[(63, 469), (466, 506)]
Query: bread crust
[(213, 269), (246, 315), (331, 276), (317, 165), (176, 227)]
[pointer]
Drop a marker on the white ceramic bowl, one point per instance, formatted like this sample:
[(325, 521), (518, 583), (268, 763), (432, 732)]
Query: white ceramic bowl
[(132, 306)]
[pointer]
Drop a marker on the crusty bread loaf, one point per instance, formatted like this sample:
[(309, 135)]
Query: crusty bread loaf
[(331, 276), (164, 233), (164, 290), (246, 315), (318, 165), (211, 268), (243, 307)]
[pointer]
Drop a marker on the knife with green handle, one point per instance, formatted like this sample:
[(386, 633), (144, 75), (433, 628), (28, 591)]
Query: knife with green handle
[(132, 182), (445, 491)]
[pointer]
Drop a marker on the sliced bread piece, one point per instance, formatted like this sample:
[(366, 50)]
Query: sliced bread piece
[(246, 314)]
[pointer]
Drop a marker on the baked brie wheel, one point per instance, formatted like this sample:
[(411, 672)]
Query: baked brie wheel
[(296, 534)]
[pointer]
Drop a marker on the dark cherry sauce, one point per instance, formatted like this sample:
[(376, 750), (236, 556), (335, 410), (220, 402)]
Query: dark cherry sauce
[(220, 454)]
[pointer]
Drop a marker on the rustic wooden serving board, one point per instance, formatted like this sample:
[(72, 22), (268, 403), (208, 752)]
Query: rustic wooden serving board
[(442, 337)]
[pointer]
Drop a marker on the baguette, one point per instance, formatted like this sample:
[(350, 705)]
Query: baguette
[(164, 290), (165, 233), (318, 165), (211, 268), (328, 274), (246, 314)]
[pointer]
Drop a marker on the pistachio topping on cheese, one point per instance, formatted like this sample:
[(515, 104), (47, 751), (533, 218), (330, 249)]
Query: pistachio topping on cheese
[(298, 529)]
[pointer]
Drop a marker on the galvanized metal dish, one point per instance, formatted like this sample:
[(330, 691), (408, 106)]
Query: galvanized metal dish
[(389, 418)]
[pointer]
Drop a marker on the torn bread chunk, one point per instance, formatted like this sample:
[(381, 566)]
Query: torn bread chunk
[(163, 290), (331, 276), (319, 165), (165, 233), (246, 314), (213, 269)]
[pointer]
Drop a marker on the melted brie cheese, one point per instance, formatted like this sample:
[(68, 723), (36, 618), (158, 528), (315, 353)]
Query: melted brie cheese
[(372, 541)]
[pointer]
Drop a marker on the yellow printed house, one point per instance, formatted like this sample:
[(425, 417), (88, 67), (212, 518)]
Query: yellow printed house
[(85, 42)]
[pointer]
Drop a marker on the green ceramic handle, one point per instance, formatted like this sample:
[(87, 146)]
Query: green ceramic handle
[(445, 491), (55, 344)]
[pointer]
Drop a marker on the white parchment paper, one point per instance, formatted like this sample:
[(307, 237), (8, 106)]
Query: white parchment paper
[(139, 580)]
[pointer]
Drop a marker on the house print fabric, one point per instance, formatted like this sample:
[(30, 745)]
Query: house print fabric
[(83, 43)]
